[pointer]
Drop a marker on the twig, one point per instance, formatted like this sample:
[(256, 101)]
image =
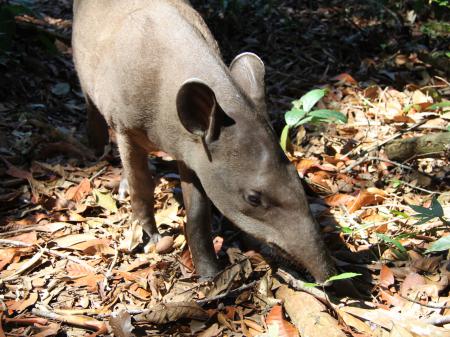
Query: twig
[(227, 294), (367, 158), (21, 244), (300, 285), (81, 321), (428, 305), (365, 153), (98, 173), (420, 188), (441, 320)]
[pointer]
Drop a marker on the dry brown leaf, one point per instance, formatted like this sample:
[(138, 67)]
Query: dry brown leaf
[(398, 331), (338, 199), (213, 331), (132, 237), (372, 196), (121, 323), (411, 282), (164, 313), (92, 247), (83, 277), (6, 256), (387, 319), (355, 323), (305, 164), (77, 193), (70, 240), (30, 238), (51, 329), (21, 305), (386, 277), (427, 264), (284, 328), (24, 267), (308, 314)]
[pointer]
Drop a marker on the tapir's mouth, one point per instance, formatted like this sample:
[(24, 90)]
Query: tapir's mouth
[(281, 258)]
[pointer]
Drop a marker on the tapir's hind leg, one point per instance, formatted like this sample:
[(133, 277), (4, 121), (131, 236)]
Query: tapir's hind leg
[(97, 128), (140, 183), (198, 226)]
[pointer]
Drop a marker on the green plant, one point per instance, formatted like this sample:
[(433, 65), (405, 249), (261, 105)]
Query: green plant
[(428, 214), (398, 249), (302, 113), (343, 276)]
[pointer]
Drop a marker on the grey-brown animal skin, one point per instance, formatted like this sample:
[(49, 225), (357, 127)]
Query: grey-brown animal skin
[(153, 70)]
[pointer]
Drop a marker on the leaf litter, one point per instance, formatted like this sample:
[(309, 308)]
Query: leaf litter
[(69, 260)]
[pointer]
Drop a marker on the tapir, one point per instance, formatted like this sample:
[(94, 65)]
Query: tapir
[(152, 71)]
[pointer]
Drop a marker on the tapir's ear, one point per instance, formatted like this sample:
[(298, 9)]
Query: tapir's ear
[(198, 110), (248, 70)]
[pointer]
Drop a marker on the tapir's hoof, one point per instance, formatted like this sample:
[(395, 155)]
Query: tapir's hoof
[(150, 240), (123, 189)]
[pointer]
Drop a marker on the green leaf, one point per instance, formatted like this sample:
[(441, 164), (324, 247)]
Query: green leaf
[(436, 106), (398, 213), (329, 116), (440, 245), (310, 285), (392, 241), (343, 276), (436, 207), (346, 230), (304, 120), (284, 139), (293, 116), (422, 211), (396, 183), (105, 200), (310, 99)]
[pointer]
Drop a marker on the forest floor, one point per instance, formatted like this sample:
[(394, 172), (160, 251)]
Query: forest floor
[(69, 265)]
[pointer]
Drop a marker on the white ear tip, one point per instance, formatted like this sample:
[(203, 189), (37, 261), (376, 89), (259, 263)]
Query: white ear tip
[(247, 54)]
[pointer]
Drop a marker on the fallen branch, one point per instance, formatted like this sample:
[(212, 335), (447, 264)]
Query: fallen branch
[(227, 294), (81, 321), (428, 145), (300, 285)]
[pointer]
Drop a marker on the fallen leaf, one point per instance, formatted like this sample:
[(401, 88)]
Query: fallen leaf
[(121, 323), (338, 199), (164, 313), (20, 306), (372, 196), (105, 200), (411, 282), (77, 193), (71, 240), (386, 277), (132, 237), (275, 317), (308, 314)]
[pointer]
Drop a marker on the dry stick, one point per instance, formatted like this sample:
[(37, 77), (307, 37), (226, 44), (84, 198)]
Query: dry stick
[(300, 285), (82, 321), (21, 244), (428, 305), (376, 146), (227, 294)]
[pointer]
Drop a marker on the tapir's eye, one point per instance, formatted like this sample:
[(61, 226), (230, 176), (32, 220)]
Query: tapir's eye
[(253, 198)]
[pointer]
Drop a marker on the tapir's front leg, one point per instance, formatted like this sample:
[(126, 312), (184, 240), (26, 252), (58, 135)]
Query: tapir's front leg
[(198, 226), (140, 182)]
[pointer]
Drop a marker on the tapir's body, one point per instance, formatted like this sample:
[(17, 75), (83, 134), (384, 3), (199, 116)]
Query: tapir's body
[(153, 70)]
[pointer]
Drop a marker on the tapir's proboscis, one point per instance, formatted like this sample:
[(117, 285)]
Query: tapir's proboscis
[(152, 71)]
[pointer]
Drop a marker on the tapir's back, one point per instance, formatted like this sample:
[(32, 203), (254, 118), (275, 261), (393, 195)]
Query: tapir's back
[(134, 55)]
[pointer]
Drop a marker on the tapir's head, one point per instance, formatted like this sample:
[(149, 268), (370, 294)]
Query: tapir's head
[(242, 168)]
